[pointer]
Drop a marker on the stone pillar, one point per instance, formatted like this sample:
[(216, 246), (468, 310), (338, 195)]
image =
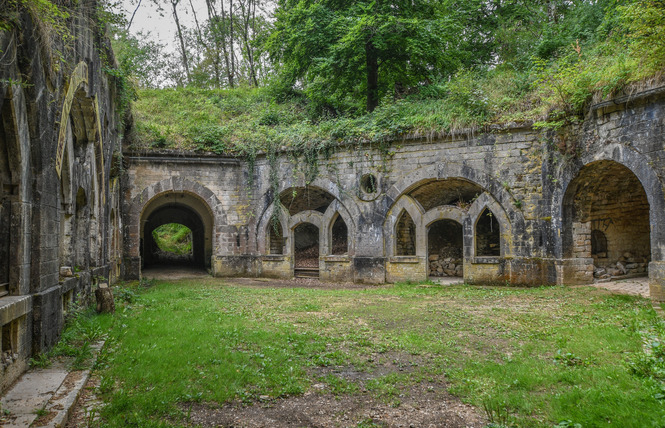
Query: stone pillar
[(132, 268), (657, 281)]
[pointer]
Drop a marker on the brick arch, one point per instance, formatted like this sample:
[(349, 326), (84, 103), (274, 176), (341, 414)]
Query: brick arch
[(448, 170), (346, 199), (164, 187), (329, 217), (263, 224), (404, 203), (345, 203), (12, 232), (485, 201), (639, 165)]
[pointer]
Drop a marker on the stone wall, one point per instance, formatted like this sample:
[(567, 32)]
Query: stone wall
[(527, 201), (57, 134)]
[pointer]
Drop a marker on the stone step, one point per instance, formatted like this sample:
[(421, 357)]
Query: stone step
[(306, 273)]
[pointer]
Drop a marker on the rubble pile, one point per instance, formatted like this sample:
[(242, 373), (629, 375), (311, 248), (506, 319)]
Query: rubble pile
[(626, 265)]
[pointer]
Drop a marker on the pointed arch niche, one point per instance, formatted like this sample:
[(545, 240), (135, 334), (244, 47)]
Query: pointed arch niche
[(488, 235)]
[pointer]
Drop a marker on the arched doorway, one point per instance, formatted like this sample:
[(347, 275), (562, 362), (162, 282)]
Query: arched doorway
[(606, 225), (306, 250), (177, 217), (445, 248)]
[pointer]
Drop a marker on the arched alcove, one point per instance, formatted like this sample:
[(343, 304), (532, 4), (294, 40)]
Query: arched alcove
[(182, 208), (445, 248), (113, 245), (606, 220), (434, 193), (81, 237), (275, 238), (9, 179), (309, 198), (306, 250), (339, 237), (487, 235), (405, 235)]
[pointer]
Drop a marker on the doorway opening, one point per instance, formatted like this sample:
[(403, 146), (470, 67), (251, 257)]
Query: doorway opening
[(306, 251), (445, 246)]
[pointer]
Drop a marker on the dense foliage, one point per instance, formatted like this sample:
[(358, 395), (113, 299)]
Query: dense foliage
[(433, 67)]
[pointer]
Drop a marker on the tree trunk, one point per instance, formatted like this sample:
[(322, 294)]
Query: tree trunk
[(214, 27), (372, 76), (229, 71), (246, 19), (104, 298), (174, 3), (233, 63)]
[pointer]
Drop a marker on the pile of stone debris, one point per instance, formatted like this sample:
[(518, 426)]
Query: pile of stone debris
[(440, 265), (626, 265)]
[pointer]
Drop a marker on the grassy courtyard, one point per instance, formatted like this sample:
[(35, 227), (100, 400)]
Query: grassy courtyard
[(522, 357)]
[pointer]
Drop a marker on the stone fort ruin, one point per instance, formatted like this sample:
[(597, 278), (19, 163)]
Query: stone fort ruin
[(508, 204)]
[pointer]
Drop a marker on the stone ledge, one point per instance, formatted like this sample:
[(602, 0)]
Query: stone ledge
[(273, 258), (337, 259), (406, 259), (69, 284), (13, 307), (487, 260)]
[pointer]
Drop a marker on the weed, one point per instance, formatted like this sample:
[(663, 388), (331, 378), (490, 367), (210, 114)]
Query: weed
[(497, 412), (569, 359), (127, 294), (340, 386), (567, 424), (41, 361), (369, 423), (40, 412)]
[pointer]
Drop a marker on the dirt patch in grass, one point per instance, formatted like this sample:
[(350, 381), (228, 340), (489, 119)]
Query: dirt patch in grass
[(86, 411), (299, 283), (422, 405)]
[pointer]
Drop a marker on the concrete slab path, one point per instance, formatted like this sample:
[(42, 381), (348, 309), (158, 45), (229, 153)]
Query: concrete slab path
[(44, 397)]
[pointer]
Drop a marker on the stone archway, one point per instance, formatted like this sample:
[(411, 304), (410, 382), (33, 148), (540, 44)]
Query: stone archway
[(606, 230), (173, 191), (182, 208)]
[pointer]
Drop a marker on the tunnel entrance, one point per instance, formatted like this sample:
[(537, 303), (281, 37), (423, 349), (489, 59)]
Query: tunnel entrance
[(176, 230), (445, 248), (159, 246), (606, 221), (306, 251)]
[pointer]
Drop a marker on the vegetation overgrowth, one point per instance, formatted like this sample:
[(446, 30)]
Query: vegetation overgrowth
[(548, 74), (528, 357), (173, 238), (83, 328)]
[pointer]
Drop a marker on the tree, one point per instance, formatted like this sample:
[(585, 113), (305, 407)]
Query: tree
[(339, 50), (139, 58)]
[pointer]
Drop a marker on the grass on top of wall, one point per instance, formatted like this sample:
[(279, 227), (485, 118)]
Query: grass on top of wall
[(528, 357), (245, 121)]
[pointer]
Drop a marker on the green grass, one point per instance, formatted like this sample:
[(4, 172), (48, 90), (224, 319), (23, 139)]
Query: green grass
[(173, 238), (83, 328), (530, 357)]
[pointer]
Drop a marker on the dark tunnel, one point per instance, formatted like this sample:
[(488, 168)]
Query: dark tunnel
[(180, 214)]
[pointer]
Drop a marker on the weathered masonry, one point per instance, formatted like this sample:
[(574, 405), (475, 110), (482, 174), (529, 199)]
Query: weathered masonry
[(510, 204), (59, 208)]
